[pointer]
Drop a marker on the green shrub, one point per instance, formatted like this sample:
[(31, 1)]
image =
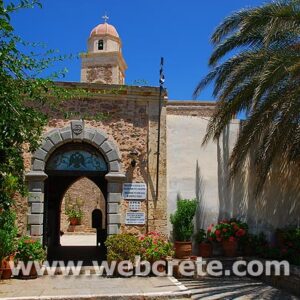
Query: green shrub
[(288, 247), (74, 213), (73, 210), (30, 250), (257, 242), (8, 233), (182, 219), (122, 247)]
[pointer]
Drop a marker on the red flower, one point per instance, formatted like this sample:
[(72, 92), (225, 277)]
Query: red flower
[(217, 232), (210, 238), (210, 227), (236, 227), (224, 229), (240, 232), (231, 239), (30, 241)]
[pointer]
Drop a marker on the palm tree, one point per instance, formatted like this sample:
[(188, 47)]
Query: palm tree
[(255, 68)]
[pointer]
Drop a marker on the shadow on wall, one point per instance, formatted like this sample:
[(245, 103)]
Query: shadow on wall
[(232, 195), (202, 217), (276, 207), (224, 189), (201, 213)]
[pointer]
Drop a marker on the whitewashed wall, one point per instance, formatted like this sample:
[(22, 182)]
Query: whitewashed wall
[(200, 172)]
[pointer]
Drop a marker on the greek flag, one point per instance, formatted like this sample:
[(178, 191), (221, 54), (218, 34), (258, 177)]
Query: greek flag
[(161, 72)]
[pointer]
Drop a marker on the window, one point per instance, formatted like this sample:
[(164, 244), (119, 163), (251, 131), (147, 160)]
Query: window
[(100, 45)]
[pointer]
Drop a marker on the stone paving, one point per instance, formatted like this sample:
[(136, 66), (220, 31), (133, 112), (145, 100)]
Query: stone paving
[(94, 287), (78, 240), (230, 288)]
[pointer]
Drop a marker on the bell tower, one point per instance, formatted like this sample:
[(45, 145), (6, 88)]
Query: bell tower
[(104, 62)]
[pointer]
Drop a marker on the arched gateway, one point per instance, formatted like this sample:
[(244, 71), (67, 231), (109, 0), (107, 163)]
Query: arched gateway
[(66, 155)]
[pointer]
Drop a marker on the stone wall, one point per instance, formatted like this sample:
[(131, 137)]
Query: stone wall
[(88, 196), (157, 206), (128, 115), (191, 108)]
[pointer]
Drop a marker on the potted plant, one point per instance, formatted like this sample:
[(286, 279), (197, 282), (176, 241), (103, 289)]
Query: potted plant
[(183, 227), (74, 210), (8, 235), (228, 233), (254, 244), (74, 216), (30, 250), (205, 246), (155, 247)]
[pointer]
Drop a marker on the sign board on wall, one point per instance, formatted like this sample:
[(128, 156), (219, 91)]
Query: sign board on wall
[(135, 218), (134, 191), (134, 205)]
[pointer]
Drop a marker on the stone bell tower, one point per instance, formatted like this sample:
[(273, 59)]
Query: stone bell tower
[(104, 62)]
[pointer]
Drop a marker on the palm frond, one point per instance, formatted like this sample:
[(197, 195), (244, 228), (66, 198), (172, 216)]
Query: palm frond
[(261, 78)]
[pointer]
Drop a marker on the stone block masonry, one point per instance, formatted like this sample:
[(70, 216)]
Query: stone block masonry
[(116, 123)]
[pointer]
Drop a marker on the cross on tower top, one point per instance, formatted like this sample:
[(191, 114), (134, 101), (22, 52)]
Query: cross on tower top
[(105, 18)]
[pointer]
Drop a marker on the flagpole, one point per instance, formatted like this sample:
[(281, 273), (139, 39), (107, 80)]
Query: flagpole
[(161, 86)]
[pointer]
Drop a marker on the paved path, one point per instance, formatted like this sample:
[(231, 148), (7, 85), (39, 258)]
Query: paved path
[(233, 288), (99, 288), (78, 240), (92, 287)]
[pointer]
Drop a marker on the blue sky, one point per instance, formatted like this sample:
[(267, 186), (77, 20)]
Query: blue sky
[(177, 30)]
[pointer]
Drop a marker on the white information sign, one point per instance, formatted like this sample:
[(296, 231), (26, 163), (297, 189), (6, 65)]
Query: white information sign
[(134, 205), (134, 191), (135, 218)]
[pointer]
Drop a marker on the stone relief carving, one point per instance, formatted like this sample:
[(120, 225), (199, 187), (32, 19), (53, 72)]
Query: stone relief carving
[(100, 73), (77, 129)]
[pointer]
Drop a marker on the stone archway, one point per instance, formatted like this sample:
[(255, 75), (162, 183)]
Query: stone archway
[(76, 132)]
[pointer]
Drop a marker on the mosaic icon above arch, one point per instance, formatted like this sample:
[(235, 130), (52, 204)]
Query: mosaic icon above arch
[(77, 160)]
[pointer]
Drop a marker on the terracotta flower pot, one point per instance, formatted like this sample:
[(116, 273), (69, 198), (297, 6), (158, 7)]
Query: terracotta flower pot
[(205, 249), (5, 267), (248, 250), (280, 238), (160, 268), (183, 249), (74, 221), (6, 273), (230, 248), (32, 274)]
